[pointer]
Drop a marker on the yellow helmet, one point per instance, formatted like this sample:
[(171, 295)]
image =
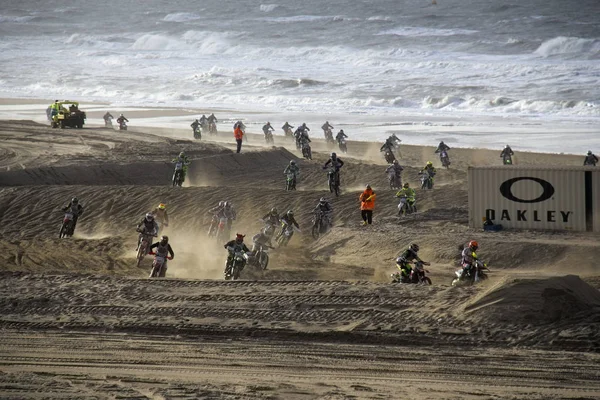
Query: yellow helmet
[(429, 163), (162, 206)]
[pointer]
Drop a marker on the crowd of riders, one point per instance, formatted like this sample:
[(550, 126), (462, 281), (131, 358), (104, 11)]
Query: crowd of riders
[(279, 226)]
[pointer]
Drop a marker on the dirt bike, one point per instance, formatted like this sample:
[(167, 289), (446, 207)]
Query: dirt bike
[(144, 246), (67, 227), (333, 181), (108, 123), (306, 151), (221, 231), (426, 181), (269, 138), (284, 238), (394, 180), (290, 181), (329, 136), (212, 128), (405, 207), (197, 133), (178, 174), (389, 156), (342, 145), (260, 258), (445, 159), (159, 266), (320, 224), (235, 264), (122, 126), (288, 133), (507, 159), (476, 274), (417, 275)]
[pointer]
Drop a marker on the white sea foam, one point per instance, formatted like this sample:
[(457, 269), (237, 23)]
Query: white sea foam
[(15, 19), (181, 17), (570, 46), (268, 7), (416, 31)]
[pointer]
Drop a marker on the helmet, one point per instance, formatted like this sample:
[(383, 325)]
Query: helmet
[(273, 210), (56, 101), (74, 200), (341, 131), (162, 206), (429, 163), (414, 247), (268, 123), (182, 154), (506, 147), (121, 115), (164, 239), (396, 162), (333, 155), (239, 237), (406, 185), (473, 245), (265, 231), (204, 115), (149, 217), (442, 142), (226, 204), (292, 162), (327, 122), (196, 119), (290, 213), (322, 200), (221, 203), (368, 186), (589, 152)]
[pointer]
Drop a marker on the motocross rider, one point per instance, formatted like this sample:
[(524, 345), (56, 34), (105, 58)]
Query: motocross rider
[(326, 210), (429, 169), (468, 258), (76, 209), (267, 128), (203, 120), (590, 159), (340, 135), (336, 163), (182, 158), (108, 118), (288, 219), (229, 213), (271, 221), (163, 249), (442, 147), (286, 127), (147, 226), (216, 211), (506, 152), (261, 239), (409, 193), (122, 119), (195, 125), (160, 214), (212, 119), (397, 169), (234, 246), (409, 255), (292, 168), (327, 129)]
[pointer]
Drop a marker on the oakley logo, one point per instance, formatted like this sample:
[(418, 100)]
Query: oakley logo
[(506, 190)]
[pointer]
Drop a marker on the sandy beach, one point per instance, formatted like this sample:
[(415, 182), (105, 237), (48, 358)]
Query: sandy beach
[(81, 320)]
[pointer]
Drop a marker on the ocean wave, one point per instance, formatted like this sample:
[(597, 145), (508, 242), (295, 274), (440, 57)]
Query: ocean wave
[(570, 46), (268, 7), (181, 17), (379, 18), (300, 18), (15, 19), (294, 83), (416, 31)]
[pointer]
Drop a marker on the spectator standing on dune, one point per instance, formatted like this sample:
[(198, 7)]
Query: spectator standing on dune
[(367, 205), (238, 133)]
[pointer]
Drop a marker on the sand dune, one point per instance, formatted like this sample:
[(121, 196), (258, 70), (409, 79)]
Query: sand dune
[(330, 296)]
